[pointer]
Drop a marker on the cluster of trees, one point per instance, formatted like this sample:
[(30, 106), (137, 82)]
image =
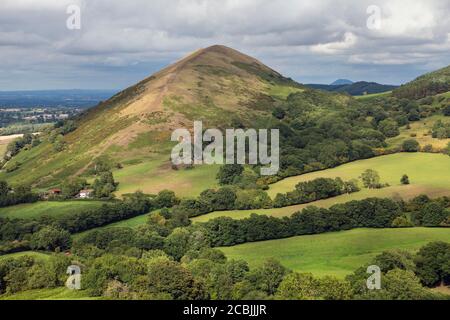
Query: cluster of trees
[(320, 188), (406, 276), (208, 201), (104, 185), (26, 273), (389, 128), (18, 144), (64, 127), (71, 187), (410, 145), (368, 213), (371, 179), (124, 269), (429, 213), (441, 130), (56, 136), (14, 147), (20, 194)]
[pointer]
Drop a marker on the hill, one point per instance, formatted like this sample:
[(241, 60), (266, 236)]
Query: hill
[(354, 88), (217, 85), (340, 82), (426, 85)]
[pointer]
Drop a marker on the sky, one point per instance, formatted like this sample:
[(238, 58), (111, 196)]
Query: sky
[(112, 44)]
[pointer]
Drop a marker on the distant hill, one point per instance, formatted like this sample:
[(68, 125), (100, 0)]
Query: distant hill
[(428, 84), (341, 82), (53, 98), (355, 88)]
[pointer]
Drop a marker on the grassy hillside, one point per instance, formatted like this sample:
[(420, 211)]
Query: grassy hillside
[(217, 85), (337, 253), (428, 173), (48, 208), (426, 85)]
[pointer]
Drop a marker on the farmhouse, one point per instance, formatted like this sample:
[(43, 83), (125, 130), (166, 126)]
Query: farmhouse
[(85, 193)]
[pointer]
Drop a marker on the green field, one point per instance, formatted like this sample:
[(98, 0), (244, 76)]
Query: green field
[(154, 176), (373, 95), (335, 253), (127, 223), (281, 212), (60, 293), (428, 174), (48, 208)]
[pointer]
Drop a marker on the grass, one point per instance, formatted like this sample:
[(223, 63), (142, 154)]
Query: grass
[(428, 174), (282, 92), (336, 253), (61, 293), (34, 254), (421, 131), (373, 95), (130, 223), (127, 223), (282, 212), (156, 175), (47, 208)]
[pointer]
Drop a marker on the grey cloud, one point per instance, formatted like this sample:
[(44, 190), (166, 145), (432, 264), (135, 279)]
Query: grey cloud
[(311, 41)]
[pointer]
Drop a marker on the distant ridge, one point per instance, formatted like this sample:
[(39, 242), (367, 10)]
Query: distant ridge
[(356, 88), (341, 82)]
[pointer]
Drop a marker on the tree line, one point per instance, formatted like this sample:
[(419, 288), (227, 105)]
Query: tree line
[(204, 273), (367, 213)]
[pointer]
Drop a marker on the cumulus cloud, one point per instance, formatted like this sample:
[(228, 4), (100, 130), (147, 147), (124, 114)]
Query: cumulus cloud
[(121, 42), (347, 43)]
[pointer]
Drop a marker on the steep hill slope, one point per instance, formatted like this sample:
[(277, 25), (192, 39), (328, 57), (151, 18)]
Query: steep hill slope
[(426, 85), (218, 85)]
